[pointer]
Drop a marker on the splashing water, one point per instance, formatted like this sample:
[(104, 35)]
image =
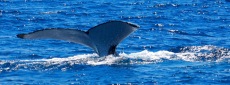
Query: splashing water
[(190, 54)]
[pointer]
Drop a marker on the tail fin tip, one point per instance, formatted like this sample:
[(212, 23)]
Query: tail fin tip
[(21, 35)]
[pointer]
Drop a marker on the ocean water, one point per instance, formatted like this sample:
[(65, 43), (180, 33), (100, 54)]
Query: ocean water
[(178, 42)]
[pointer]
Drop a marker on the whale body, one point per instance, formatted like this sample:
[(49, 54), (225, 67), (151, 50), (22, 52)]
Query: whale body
[(103, 38)]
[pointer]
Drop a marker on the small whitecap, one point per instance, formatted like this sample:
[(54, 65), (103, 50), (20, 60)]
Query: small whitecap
[(159, 25)]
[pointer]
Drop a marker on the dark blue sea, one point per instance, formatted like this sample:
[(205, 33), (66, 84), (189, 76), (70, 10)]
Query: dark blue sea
[(178, 42)]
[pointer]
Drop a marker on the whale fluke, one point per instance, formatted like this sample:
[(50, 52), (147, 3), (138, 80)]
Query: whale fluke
[(103, 38)]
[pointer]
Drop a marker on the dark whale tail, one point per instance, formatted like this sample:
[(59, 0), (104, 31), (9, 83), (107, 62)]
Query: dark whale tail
[(102, 38)]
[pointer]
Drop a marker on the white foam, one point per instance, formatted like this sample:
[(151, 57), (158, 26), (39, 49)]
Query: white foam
[(150, 56), (193, 54), (142, 57), (92, 59)]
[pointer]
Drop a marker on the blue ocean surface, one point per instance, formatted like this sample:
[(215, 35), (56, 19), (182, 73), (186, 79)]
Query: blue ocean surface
[(178, 42)]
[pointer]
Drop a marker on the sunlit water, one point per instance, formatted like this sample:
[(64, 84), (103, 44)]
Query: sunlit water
[(179, 42)]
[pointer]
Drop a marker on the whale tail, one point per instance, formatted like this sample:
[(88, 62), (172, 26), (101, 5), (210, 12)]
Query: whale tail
[(103, 38)]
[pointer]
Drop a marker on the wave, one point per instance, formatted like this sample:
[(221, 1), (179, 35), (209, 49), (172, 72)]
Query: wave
[(206, 53)]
